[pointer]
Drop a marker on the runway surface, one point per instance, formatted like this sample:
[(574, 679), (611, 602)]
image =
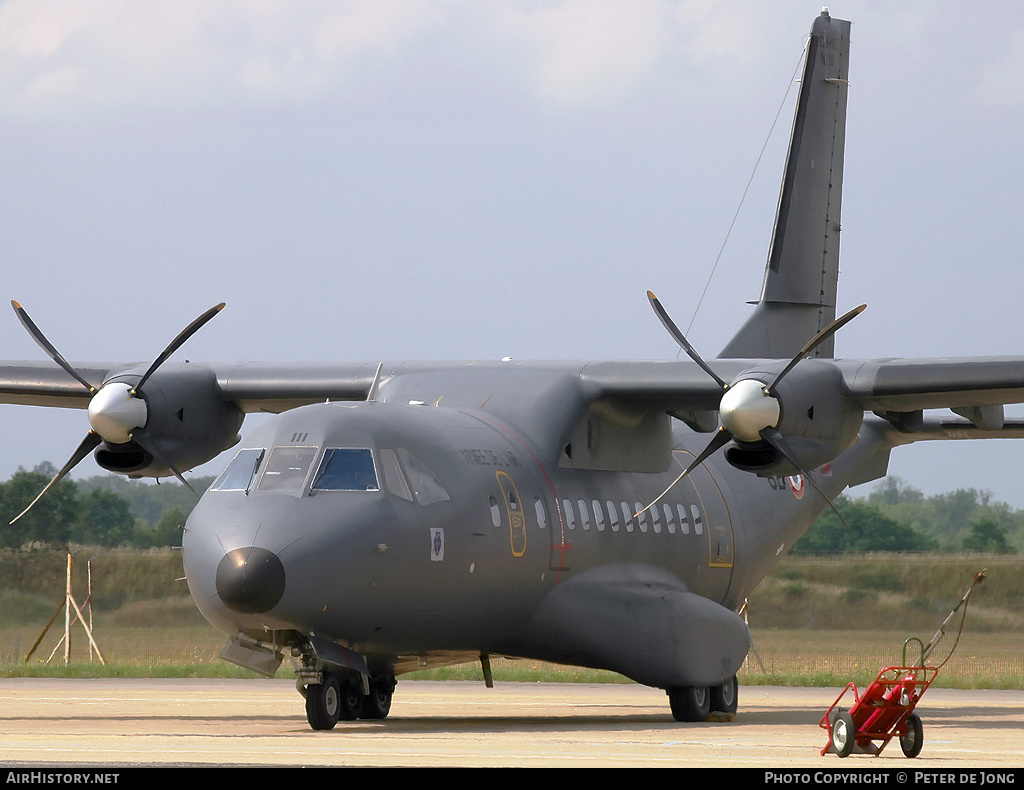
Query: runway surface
[(114, 722)]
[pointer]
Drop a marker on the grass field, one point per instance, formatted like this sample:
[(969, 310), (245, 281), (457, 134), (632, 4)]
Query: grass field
[(814, 621)]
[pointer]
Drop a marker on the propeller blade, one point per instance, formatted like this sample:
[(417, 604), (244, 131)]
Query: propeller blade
[(47, 346), (774, 437), (677, 335), (175, 344), (151, 446), (721, 438), (813, 343), (89, 443)]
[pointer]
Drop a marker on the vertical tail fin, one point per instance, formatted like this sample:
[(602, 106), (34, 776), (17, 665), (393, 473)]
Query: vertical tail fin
[(798, 297)]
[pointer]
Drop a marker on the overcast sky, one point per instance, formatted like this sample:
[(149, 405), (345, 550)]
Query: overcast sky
[(449, 179)]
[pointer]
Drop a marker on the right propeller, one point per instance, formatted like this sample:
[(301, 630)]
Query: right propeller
[(751, 410), (117, 410)]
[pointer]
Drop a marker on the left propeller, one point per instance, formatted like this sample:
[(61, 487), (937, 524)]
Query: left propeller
[(117, 410)]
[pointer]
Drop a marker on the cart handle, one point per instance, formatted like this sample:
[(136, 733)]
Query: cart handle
[(908, 641)]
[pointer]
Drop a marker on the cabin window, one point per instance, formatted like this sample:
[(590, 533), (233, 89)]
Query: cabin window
[(570, 516), (655, 519), (627, 516), (495, 511), (684, 524), (240, 471), (542, 514), (286, 468), (426, 488), (584, 514), (394, 478), (669, 520), (346, 470), (598, 516), (613, 516), (698, 525), (643, 516)]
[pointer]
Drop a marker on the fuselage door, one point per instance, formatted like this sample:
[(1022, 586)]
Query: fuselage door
[(516, 514), (704, 493)]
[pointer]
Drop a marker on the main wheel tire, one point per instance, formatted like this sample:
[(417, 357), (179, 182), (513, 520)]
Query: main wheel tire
[(690, 703), (912, 742), (724, 698), (377, 704), (323, 703), (351, 700), (844, 734)]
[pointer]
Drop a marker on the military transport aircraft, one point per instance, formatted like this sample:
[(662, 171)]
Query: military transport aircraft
[(608, 514)]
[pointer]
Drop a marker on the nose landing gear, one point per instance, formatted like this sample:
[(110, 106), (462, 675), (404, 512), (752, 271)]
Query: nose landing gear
[(341, 698)]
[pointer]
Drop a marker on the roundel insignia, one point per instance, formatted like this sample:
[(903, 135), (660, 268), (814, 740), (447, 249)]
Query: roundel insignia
[(796, 485), (436, 544)]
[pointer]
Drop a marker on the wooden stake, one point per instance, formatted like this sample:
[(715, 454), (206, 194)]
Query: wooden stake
[(67, 617), (67, 605), (88, 603), (47, 628)]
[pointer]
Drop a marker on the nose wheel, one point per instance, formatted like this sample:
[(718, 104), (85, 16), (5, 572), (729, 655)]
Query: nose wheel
[(336, 699), (323, 703)]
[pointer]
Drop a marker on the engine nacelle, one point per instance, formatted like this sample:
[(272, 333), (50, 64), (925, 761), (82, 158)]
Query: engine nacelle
[(814, 417), (185, 417)]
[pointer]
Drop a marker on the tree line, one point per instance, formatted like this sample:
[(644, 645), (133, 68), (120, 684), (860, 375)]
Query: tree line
[(105, 510), (895, 516), (110, 510)]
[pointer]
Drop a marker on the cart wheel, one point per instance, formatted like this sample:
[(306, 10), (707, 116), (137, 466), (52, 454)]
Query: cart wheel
[(912, 742), (844, 734)]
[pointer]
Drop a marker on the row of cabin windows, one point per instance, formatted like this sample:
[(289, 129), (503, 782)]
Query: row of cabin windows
[(653, 518), (656, 517)]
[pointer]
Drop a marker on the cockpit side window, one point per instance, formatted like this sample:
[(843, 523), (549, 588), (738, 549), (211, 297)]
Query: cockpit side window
[(345, 469), (239, 473), (425, 486), (393, 477), (286, 469)]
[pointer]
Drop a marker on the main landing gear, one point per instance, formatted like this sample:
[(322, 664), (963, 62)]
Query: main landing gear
[(696, 703), (340, 697)]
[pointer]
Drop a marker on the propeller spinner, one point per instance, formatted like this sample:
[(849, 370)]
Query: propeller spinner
[(117, 411)]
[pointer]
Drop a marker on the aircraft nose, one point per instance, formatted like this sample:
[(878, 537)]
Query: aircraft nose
[(250, 580)]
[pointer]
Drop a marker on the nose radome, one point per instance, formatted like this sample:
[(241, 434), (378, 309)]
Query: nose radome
[(250, 580)]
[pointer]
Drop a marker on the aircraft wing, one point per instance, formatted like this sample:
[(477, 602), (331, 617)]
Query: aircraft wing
[(45, 384), (881, 385), (902, 385), (897, 385), (277, 387), (672, 386), (251, 386)]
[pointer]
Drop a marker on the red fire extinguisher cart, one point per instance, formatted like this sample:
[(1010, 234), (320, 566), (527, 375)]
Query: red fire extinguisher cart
[(886, 708)]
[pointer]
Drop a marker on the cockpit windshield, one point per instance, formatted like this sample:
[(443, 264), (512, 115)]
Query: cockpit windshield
[(239, 473), (286, 469), (346, 469)]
